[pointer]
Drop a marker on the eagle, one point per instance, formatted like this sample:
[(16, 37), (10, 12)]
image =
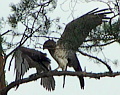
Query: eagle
[(26, 58), (75, 33)]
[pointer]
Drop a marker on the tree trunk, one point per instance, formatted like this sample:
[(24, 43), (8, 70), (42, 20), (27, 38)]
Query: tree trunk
[(2, 62), (2, 72)]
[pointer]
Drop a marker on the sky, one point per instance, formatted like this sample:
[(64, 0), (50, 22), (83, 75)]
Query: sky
[(104, 86)]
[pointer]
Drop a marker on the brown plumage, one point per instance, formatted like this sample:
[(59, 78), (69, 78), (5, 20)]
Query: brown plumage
[(26, 58), (75, 33), (77, 30)]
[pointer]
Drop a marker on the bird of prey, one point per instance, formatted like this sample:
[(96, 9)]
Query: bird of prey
[(26, 58), (75, 33)]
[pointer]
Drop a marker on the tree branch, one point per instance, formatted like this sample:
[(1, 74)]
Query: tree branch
[(6, 32), (47, 37), (85, 54), (57, 73), (98, 45)]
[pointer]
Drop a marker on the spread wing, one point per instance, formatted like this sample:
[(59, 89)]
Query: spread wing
[(26, 58), (77, 30)]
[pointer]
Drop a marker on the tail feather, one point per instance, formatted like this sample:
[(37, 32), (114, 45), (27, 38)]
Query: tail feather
[(74, 62), (81, 79), (64, 76), (63, 81), (48, 83)]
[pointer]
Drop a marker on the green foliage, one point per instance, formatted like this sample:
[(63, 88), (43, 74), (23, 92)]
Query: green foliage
[(105, 33), (33, 14)]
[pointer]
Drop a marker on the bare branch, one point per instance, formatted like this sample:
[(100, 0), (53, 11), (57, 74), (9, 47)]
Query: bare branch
[(58, 73), (23, 39), (6, 32), (96, 58), (100, 45), (47, 37)]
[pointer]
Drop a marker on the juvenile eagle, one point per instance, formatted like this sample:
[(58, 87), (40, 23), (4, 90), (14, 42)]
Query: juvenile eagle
[(26, 58), (75, 33)]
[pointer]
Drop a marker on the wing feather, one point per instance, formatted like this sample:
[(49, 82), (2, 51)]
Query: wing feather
[(21, 65), (77, 30), (26, 58)]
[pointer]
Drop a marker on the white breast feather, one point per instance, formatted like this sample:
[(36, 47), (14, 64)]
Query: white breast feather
[(61, 57)]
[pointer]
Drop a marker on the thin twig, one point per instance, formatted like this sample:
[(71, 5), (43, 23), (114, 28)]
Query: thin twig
[(98, 45), (96, 58), (5, 32), (47, 37)]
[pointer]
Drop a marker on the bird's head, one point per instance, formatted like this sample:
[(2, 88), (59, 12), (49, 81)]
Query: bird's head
[(49, 44)]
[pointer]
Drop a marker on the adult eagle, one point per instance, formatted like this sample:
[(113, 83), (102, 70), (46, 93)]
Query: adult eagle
[(26, 58), (75, 33)]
